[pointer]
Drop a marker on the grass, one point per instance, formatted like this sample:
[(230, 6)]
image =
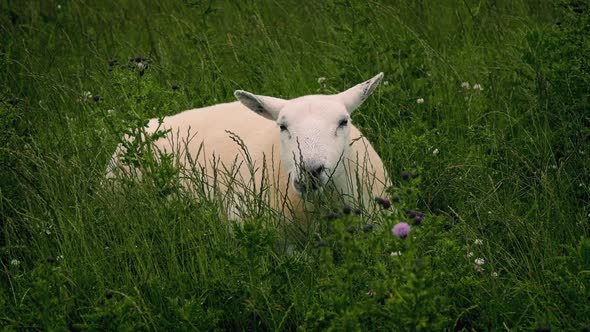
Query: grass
[(507, 165)]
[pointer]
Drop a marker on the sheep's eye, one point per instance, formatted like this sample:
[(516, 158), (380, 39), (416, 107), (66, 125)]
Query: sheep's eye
[(283, 127), (343, 123)]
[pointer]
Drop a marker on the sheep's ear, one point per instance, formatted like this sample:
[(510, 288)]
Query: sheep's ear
[(355, 96), (268, 107)]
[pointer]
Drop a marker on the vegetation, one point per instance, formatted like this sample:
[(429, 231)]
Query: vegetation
[(485, 104)]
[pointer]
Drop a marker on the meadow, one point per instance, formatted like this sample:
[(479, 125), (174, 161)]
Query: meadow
[(485, 105)]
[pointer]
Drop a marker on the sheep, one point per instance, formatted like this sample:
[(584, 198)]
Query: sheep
[(294, 148)]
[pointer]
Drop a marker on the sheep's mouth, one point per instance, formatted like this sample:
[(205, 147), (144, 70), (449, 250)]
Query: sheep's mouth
[(307, 185)]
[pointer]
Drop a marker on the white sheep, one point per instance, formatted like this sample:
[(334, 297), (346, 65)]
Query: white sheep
[(289, 149)]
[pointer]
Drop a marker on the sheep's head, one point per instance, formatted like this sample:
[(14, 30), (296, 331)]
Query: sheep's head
[(314, 131)]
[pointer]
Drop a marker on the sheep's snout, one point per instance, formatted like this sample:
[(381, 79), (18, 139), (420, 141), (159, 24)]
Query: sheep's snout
[(310, 179)]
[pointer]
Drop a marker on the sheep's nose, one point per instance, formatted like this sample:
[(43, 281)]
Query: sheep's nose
[(310, 179), (316, 172)]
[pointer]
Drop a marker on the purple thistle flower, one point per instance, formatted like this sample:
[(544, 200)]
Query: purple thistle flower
[(401, 230)]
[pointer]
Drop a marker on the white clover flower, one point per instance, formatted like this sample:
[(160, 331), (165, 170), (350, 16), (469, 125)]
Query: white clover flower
[(110, 111), (435, 152), (386, 83), (420, 100), (477, 86), (140, 65), (87, 94), (495, 274), (470, 254), (478, 242), (395, 253), (15, 262), (465, 85), (48, 232), (60, 257), (321, 80), (479, 261)]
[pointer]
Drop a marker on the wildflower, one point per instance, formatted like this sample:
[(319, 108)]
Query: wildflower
[(401, 230), (87, 94), (58, 6), (367, 228), (15, 262), (479, 261), (477, 86), (411, 213), (109, 294), (140, 66), (110, 111), (465, 85), (332, 216), (395, 198), (395, 253), (346, 210), (435, 152), (495, 274), (321, 80), (420, 100), (470, 254), (386, 83), (174, 87), (371, 293), (96, 98), (417, 220), (405, 175), (384, 202), (478, 242)]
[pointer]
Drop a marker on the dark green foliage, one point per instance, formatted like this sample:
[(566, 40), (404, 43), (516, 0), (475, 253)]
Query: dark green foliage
[(494, 181)]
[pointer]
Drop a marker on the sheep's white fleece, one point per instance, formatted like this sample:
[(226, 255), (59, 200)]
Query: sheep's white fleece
[(208, 129)]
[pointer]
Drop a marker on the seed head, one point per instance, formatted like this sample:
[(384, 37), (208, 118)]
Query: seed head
[(401, 230)]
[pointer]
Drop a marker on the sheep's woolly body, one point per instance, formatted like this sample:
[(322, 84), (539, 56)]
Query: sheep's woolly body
[(209, 137)]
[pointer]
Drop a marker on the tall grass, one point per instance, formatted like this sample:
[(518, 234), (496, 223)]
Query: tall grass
[(507, 165)]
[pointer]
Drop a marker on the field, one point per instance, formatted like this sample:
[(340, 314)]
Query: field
[(485, 103)]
